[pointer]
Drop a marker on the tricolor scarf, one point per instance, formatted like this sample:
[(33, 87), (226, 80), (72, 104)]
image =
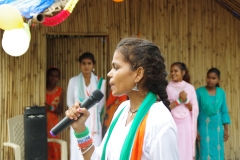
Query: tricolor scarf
[(136, 132), (82, 95)]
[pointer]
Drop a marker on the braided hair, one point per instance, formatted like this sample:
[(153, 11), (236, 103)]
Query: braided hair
[(143, 53)]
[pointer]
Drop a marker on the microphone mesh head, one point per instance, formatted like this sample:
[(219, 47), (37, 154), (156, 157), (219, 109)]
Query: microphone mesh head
[(97, 94)]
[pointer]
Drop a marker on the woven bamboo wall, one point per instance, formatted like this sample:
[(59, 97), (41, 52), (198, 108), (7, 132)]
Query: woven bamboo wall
[(201, 34)]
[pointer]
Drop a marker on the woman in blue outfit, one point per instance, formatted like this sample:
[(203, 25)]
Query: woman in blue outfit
[(213, 118)]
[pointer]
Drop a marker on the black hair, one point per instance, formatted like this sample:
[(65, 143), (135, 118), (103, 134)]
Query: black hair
[(143, 53), (183, 67), (50, 70), (53, 69), (87, 55), (217, 72)]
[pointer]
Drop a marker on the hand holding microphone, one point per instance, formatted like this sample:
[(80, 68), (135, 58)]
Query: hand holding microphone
[(73, 113)]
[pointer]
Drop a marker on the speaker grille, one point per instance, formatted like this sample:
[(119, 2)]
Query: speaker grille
[(35, 133)]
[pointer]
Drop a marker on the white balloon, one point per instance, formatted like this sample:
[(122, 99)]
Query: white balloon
[(16, 42)]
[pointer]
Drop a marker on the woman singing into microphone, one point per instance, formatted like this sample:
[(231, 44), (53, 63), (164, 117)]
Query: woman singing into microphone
[(142, 127)]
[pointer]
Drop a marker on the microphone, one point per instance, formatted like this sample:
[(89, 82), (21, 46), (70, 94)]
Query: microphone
[(94, 98)]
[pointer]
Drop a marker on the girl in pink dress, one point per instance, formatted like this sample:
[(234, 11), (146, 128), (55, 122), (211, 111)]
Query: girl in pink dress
[(184, 109)]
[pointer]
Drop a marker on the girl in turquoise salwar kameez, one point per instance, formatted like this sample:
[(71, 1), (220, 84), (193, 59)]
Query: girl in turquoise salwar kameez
[(213, 119)]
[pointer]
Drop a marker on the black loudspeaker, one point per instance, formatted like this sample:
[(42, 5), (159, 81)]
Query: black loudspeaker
[(35, 133)]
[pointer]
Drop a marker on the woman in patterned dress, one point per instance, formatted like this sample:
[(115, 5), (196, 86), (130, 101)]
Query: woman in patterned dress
[(213, 118), (54, 108)]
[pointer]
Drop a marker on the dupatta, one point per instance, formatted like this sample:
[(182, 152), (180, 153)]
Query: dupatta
[(134, 131), (82, 95), (207, 105)]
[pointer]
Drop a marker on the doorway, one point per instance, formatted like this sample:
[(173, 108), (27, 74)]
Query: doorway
[(63, 52)]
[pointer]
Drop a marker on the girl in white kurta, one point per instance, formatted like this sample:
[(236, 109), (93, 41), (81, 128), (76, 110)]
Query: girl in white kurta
[(78, 91), (142, 127), (160, 135)]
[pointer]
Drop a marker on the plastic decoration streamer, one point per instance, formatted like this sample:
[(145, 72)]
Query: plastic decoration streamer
[(28, 8), (61, 16)]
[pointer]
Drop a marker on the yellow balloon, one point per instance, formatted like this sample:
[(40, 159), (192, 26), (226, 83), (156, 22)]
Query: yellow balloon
[(10, 17)]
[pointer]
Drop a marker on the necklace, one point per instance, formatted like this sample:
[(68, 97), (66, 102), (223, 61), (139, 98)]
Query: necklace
[(132, 112)]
